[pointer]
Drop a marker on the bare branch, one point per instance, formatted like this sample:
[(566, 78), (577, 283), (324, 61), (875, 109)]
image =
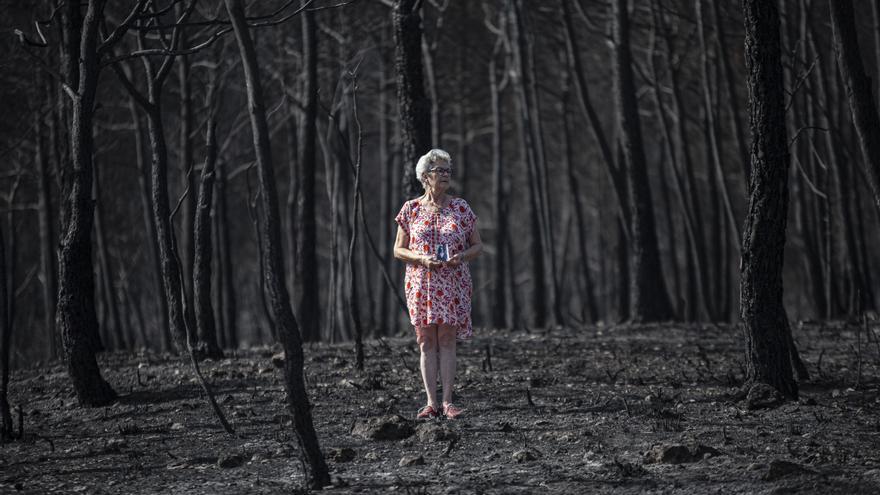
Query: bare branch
[(122, 28)]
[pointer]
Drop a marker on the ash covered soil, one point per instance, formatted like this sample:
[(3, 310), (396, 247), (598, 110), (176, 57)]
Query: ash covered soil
[(599, 409)]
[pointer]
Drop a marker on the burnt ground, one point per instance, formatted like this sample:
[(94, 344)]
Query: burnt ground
[(565, 411)]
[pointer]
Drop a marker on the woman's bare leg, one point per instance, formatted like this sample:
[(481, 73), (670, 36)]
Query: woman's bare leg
[(427, 339), (446, 341)]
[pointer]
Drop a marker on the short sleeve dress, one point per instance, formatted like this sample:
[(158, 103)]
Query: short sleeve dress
[(441, 296)]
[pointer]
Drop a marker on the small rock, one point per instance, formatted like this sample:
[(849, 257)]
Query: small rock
[(524, 455), (227, 461), (762, 396), (343, 454), (433, 432), (678, 454), (278, 359), (177, 426), (391, 427), (258, 457), (807, 401), (780, 469), (755, 466), (371, 456), (412, 460)]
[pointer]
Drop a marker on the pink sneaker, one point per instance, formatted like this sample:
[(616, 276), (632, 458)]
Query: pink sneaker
[(452, 411), (427, 412)]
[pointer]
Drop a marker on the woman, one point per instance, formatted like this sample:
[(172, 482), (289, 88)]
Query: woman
[(436, 236)]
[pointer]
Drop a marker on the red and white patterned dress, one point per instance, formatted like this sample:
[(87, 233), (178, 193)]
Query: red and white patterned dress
[(441, 296)]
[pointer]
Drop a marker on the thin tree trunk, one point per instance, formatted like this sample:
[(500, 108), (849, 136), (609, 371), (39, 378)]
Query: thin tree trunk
[(858, 90), (413, 105), (150, 228), (185, 165), (765, 325), (307, 261), (47, 239), (589, 296), (733, 104), (288, 330), (201, 284), (499, 306), (228, 293), (117, 331), (649, 299), (6, 433), (76, 317), (353, 302)]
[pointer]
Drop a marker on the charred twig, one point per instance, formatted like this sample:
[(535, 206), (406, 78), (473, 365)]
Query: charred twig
[(488, 357), (449, 447), (138, 373)]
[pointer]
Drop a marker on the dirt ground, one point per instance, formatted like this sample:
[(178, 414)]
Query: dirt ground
[(646, 409)]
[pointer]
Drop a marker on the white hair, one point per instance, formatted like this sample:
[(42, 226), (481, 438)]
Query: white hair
[(428, 159)]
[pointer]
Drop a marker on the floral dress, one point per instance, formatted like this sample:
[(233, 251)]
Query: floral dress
[(441, 296)]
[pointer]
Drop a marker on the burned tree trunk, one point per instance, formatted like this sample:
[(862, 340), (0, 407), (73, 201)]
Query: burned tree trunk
[(150, 226), (649, 300), (765, 324), (858, 89), (47, 241), (307, 262), (273, 266), (413, 105), (5, 341), (76, 318), (206, 328)]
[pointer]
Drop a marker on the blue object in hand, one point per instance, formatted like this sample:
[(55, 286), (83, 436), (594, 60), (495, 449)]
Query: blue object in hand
[(442, 253)]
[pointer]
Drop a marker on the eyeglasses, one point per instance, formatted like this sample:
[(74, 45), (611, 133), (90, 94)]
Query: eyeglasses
[(441, 170)]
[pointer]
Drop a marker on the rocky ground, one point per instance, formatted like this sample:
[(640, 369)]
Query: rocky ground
[(598, 409)]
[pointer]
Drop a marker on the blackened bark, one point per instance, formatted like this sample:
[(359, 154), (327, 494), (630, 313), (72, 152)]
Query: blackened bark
[(5, 351), (206, 329), (307, 262), (413, 105), (47, 239), (227, 293), (499, 307), (858, 90), (150, 226), (765, 326), (273, 266), (649, 300), (116, 332), (185, 158), (75, 313)]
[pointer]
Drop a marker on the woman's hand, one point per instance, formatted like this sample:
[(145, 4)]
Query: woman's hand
[(456, 260), (430, 263)]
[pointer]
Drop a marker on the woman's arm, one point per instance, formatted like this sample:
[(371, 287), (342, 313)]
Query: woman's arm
[(474, 250), (404, 253)]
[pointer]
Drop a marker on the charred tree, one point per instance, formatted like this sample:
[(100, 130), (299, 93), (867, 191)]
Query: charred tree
[(5, 351), (306, 261), (765, 325), (206, 328), (47, 240), (413, 105), (649, 300), (273, 266), (858, 90), (76, 318)]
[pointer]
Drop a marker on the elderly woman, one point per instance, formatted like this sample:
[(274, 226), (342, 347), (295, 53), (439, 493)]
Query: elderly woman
[(436, 237)]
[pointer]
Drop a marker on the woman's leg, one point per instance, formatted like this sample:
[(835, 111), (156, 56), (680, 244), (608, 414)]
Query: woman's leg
[(446, 341), (427, 339)]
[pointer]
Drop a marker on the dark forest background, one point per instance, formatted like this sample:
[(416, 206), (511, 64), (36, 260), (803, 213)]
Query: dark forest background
[(520, 95)]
